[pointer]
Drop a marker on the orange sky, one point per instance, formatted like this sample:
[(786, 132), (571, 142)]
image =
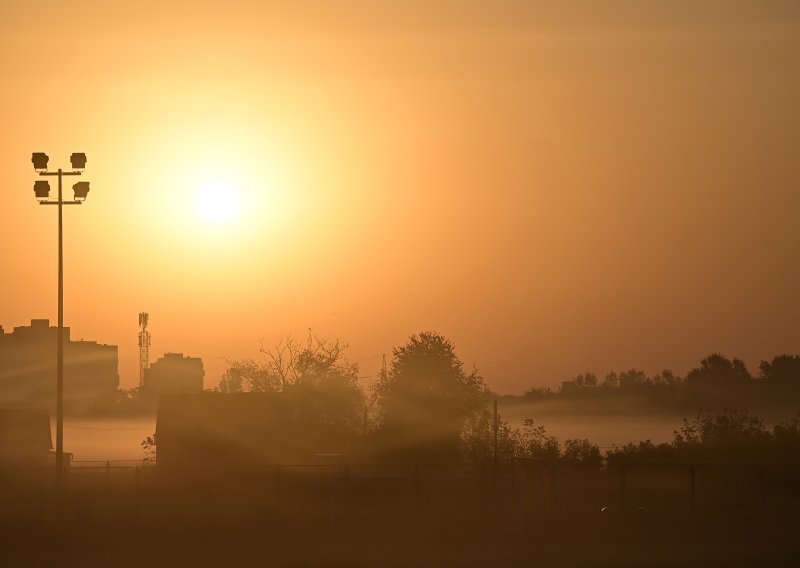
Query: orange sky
[(554, 186)]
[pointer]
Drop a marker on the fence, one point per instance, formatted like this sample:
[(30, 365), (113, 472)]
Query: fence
[(670, 487), (327, 495)]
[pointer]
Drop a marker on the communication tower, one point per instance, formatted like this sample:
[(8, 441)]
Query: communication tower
[(144, 346)]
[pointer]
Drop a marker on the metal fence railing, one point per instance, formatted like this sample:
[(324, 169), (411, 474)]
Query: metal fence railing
[(519, 489)]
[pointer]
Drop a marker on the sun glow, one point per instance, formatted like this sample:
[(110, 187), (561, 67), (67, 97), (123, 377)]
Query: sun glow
[(218, 201)]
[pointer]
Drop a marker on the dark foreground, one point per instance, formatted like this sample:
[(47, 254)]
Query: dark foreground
[(523, 514), (730, 539)]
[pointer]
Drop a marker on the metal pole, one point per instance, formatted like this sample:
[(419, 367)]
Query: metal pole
[(495, 426), (60, 366)]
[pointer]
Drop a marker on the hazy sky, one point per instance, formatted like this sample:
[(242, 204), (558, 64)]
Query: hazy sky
[(556, 186)]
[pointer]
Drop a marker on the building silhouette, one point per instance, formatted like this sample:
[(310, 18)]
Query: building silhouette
[(25, 438), (174, 373), (28, 368)]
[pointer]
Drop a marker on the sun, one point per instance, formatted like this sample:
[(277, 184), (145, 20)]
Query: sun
[(218, 201)]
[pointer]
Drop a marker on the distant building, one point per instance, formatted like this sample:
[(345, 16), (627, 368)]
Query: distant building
[(174, 373), (569, 386), (28, 368), (25, 439)]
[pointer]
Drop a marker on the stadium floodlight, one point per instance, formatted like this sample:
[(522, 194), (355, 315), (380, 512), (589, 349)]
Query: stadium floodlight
[(78, 161), (42, 189), (39, 160), (81, 189)]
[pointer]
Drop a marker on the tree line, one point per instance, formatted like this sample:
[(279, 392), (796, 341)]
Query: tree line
[(717, 382), (426, 407)]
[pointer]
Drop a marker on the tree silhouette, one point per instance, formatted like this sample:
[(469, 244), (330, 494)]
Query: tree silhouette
[(786, 436), (610, 381), (731, 434), (632, 379), (315, 379), (581, 452), (781, 376), (425, 398), (477, 437), (719, 371)]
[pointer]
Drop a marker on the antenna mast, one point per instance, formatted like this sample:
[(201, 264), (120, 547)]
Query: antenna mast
[(144, 346)]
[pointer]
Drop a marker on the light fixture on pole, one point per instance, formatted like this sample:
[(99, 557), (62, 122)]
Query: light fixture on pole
[(41, 189)]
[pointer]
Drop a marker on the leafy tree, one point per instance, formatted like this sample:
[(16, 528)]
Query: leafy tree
[(611, 380), (538, 393), (719, 371), (646, 450), (731, 434), (477, 437), (530, 441), (782, 374), (632, 379), (718, 381), (665, 378), (534, 442), (581, 452), (586, 380), (425, 399), (786, 436), (149, 447)]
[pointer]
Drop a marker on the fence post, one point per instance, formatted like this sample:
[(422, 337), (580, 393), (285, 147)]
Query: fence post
[(346, 489), (514, 488), (416, 485), (136, 492), (495, 427), (333, 508), (277, 487), (692, 490), (541, 497), (622, 486), (554, 485)]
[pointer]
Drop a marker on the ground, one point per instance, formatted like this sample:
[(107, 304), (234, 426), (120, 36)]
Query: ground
[(719, 540)]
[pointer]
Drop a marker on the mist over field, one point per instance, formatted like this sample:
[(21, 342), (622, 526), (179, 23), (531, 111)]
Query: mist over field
[(103, 439), (613, 428), (99, 439)]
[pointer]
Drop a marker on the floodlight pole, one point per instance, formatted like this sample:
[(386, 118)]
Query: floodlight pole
[(60, 357), (60, 361)]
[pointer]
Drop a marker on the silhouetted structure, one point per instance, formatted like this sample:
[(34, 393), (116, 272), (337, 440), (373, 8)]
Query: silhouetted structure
[(568, 386), (144, 347), (215, 431), (174, 373), (25, 438), (28, 368)]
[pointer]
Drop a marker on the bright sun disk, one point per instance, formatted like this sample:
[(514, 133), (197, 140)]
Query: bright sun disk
[(218, 201)]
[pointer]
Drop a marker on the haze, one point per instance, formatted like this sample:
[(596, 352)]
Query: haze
[(554, 186)]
